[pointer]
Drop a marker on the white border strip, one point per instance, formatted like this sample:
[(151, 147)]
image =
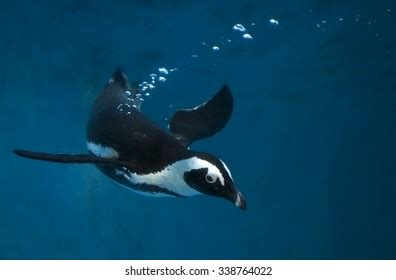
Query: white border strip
[(282, 270)]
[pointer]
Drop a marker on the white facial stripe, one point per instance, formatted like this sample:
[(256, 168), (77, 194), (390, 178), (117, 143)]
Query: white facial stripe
[(212, 169), (101, 151), (172, 176), (226, 168)]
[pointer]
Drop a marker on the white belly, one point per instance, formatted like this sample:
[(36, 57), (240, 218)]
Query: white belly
[(167, 179)]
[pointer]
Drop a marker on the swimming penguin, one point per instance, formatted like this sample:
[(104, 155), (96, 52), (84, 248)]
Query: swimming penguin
[(133, 151)]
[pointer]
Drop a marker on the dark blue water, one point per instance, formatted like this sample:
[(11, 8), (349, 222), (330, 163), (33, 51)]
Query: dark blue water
[(310, 143)]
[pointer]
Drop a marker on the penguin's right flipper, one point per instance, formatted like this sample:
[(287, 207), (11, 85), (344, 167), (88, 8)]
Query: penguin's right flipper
[(203, 121), (64, 158)]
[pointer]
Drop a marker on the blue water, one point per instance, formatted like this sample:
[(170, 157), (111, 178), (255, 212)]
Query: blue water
[(310, 143)]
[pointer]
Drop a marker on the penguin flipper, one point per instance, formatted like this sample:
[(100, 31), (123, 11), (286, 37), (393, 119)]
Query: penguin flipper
[(189, 125), (65, 158)]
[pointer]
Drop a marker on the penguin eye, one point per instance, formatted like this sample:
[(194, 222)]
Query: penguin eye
[(210, 178)]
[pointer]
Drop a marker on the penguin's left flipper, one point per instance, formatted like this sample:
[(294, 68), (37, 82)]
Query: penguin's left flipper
[(64, 158), (189, 125)]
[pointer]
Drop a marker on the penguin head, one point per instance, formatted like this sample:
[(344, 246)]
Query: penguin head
[(210, 176)]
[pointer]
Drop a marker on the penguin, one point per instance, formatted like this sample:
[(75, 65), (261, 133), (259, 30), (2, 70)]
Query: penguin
[(135, 152)]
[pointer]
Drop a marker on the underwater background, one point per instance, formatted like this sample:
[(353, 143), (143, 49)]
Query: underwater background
[(311, 143)]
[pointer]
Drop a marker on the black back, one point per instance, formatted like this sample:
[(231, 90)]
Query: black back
[(116, 122)]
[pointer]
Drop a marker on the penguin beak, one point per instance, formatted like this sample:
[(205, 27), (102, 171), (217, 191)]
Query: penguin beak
[(238, 200)]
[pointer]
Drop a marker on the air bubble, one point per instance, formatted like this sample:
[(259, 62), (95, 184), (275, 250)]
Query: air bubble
[(247, 36), (239, 27), (163, 70)]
